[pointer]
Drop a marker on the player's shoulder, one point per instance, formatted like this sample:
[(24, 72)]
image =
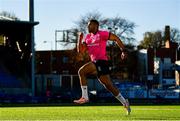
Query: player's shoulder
[(103, 32)]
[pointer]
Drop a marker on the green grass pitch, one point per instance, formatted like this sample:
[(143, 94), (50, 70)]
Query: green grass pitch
[(90, 113)]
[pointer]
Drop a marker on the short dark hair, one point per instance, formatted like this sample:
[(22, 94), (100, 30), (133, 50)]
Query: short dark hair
[(94, 21)]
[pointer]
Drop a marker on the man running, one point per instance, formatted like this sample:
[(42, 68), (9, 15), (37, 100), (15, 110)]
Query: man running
[(95, 44)]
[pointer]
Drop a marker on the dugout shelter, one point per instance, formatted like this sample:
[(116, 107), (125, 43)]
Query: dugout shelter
[(15, 57)]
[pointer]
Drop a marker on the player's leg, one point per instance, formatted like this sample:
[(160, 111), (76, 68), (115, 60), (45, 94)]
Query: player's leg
[(85, 70), (106, 81)]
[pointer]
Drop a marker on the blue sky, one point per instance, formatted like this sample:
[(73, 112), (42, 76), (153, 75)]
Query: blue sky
[(149, 15)]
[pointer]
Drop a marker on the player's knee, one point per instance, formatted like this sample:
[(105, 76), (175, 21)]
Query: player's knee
[(81, 72)]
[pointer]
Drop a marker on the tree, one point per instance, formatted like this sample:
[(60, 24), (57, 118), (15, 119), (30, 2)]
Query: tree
[(151, 39), (121, 27), (157, 39), (8, 16)]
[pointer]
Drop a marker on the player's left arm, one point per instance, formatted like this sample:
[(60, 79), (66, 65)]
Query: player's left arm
[(116, 39), (120, 44)]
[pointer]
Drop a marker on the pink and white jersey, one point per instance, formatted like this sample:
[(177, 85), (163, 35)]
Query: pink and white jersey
[(96, 45)]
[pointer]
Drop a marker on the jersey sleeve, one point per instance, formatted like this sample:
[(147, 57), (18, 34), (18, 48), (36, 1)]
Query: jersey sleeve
[(104, 35)]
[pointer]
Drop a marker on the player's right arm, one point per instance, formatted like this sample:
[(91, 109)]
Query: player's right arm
[(81, 47)]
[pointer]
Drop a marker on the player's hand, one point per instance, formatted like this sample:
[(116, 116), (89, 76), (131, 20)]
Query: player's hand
[(124, 55)]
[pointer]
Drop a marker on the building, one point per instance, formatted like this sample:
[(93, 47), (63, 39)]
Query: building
[(161, 61)]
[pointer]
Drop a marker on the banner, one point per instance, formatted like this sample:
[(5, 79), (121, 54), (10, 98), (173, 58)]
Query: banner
[(168, 94)]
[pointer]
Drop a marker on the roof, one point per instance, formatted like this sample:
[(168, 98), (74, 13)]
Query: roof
[(15, 26), (5, 18), (7, 23)]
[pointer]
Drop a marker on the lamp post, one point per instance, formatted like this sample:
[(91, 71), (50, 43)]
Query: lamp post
[(31, 19), (50, 55)]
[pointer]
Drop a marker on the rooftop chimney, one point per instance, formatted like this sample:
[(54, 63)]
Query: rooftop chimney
[(167, 37)]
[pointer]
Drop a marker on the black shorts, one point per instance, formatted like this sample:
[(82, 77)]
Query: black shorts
[(103, 67)]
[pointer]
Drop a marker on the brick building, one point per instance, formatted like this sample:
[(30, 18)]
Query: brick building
[(161, 61)]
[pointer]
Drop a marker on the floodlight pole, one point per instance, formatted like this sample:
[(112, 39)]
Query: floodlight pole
[(31, 19)]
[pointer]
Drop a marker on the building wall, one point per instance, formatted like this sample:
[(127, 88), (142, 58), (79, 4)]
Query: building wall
[(160, 53), (177, 74), (57, 62)]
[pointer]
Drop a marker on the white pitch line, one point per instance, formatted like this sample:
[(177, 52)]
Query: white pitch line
[(143, 109), (155, 109), (99, 120)]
